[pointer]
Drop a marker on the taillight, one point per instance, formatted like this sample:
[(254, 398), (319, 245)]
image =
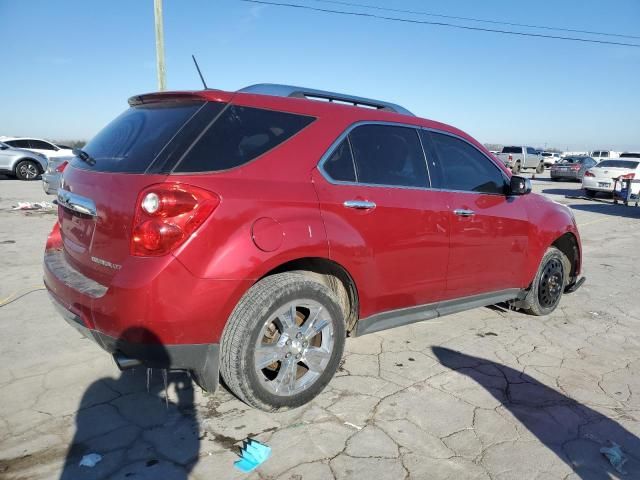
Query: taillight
[(510, 157), (60, 168), (628, 176), (575, 167), (167, 214), (588, 174)]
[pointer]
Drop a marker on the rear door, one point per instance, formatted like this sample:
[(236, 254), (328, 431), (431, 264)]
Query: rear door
[(489, 230), (383, 221)]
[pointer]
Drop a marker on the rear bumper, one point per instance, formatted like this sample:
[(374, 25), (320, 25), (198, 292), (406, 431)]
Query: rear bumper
[(568, 174), (200, 359)]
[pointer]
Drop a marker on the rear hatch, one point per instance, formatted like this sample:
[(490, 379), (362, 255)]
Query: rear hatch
[(100, 187)]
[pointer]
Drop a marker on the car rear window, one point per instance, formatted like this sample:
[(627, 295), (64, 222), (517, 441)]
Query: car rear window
[(131, 142), (512, 150), (618, 164), (239, 135)]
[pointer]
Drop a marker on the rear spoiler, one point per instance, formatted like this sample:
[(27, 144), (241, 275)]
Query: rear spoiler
[(202, 95)]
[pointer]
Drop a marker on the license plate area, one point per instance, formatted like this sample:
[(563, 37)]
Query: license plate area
[(604, 184)]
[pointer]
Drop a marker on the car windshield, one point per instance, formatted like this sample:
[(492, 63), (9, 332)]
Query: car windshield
[(547, 154), (618, 164), (630, 155), (569, 160)]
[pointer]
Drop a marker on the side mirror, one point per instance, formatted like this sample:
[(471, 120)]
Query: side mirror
[(519, 185)]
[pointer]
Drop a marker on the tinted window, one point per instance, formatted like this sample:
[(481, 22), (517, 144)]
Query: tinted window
[(239, 135), (617, 164), (547, 154), (339, 166), (630, 155), (39, 144), (596, 153), (465, 168), (604, 154), (132, 141), (531, 151), (388, 155), (18, 143), (512, 150)]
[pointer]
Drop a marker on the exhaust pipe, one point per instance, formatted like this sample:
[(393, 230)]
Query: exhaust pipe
[(125, 363)]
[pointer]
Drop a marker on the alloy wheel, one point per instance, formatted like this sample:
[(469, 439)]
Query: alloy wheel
[(294, 347)]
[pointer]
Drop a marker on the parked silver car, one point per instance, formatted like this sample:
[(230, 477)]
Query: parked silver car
[(22, 164), (51, 177)]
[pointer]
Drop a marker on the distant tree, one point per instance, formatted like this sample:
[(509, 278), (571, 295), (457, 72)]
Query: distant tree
[(71, 143), (493, 146)]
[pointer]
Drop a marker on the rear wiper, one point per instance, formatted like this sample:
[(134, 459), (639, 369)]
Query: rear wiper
[(84, 156)]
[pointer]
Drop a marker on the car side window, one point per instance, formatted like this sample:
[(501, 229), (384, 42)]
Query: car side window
[(464, 168), (18, 143), (39, 144), (389, 155), (604, 154), (340, 166), (530, 151)]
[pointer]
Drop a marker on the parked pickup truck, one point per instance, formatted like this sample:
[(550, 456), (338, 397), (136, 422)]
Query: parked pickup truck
[(521, 158)]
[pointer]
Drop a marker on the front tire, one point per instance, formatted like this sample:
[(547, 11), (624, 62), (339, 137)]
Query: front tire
[(548, 285), (27, 170), (540, 168), (516, 168), (283, 342)]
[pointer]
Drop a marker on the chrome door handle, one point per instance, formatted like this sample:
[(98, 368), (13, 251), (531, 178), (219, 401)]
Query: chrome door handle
[(464, 213), (359, 204)]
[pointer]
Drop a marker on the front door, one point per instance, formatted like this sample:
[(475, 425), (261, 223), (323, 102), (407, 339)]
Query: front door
[(489, 230)]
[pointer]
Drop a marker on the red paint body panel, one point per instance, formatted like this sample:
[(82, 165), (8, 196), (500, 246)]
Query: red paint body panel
[(409, 250)]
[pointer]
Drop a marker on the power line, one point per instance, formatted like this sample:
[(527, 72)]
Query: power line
[(471, 19), (440, 24)]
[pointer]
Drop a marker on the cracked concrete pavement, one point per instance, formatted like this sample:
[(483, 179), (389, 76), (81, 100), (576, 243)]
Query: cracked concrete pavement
[(485, 394)]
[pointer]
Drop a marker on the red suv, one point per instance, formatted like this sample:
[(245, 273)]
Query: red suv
[(247, 234)]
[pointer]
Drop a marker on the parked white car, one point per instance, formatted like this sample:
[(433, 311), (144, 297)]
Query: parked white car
[(550, 158), (599, 155), (601, 178), (44, 147)]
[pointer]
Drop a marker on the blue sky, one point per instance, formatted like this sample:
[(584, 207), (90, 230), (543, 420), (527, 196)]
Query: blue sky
[(69, 66)]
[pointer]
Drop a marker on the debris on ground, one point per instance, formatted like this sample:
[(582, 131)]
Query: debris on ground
[(90, 460), (252, 454), (349, 424), (35, 206), (616, 456)]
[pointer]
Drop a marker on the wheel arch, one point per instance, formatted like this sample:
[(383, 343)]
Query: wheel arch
[(22, 159), (334, 276), (569, 245)]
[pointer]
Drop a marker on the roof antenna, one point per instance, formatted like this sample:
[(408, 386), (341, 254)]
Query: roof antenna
[(199, 72)]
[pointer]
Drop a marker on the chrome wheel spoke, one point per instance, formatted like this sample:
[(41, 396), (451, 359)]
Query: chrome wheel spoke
[(316, 359), (285, 382), (288, 317), (314, 324), (266, 354)]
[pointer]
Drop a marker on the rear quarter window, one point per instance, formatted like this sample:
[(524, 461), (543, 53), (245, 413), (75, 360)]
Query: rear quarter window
[(131, 142), (239, 135)]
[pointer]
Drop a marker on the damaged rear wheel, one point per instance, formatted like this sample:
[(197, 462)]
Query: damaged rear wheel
[(283, 342)]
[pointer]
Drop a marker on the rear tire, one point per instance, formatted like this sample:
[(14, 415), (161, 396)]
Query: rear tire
[(548, 285), (283, 342), (540, 168), (27, 170), (589, 193)]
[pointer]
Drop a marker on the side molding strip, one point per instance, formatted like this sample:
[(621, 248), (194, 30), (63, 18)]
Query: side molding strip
[(405, 316)]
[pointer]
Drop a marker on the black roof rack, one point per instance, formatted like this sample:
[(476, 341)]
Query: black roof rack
[(313, 94)]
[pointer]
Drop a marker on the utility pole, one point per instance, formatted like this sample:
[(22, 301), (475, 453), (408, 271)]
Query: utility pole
[(162, 78)]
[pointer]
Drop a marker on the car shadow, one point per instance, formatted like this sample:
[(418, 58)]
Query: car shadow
[(138, 430), (574, 432), (564, 191), (609, 209)]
